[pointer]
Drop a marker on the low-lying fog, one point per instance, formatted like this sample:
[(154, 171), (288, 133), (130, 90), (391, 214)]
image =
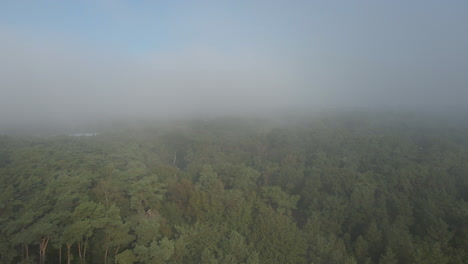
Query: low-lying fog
[(69, 63)]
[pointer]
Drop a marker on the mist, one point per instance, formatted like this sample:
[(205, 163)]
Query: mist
[(92, 61)]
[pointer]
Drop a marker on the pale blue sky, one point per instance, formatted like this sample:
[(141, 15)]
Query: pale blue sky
[(183, 56), (146, 26)]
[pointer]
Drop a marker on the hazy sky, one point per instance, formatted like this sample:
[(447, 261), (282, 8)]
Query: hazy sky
[(67, 60)]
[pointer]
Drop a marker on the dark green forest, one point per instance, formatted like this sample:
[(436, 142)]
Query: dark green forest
[(330, 188)]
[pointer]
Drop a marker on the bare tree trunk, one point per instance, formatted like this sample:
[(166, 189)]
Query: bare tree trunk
[(117, 250), (79, 250), (84, 249), (60, 254), (40, 253), (68, 252), (42, 249), (105, 255), (107, 249), (27, 250)]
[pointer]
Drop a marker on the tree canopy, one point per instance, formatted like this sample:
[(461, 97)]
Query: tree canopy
[(328, 189)]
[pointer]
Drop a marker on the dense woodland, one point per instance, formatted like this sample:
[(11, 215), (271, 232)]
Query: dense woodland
[(333, 188)]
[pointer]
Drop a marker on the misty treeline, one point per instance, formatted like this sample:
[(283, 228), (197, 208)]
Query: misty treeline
[(330, 189)]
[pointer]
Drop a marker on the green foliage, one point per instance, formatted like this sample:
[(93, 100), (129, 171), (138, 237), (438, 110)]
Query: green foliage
[(279, 200), (277, 239), (126, 257), (330, 189), (388, 258), (157, 252)]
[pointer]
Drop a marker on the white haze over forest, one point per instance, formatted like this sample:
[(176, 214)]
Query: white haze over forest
[(98, 60)]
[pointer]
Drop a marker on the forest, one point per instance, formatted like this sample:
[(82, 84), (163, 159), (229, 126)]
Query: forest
[(328, 188)]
